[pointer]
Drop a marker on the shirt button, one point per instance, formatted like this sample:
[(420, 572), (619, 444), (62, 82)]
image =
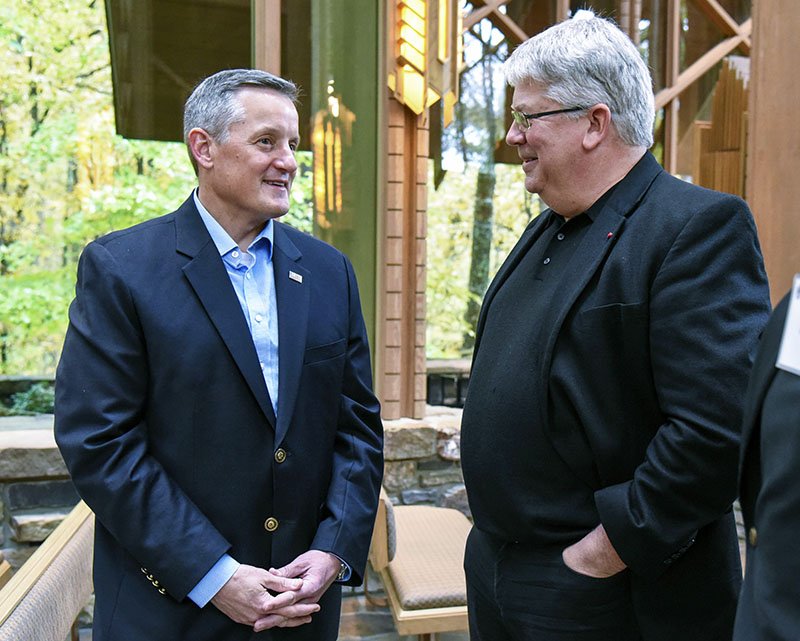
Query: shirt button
[(262, 365), (258, 318), (271, 524), (248, 275), (752, 536), (235, 254), (546, 261), (280, 455), (560, 236)]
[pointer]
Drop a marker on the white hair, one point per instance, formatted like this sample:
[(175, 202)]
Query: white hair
[(586, 61)]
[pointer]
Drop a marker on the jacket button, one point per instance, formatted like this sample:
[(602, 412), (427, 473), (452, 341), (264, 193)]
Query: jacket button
[(271, 524), (280, 455), (752, 536)]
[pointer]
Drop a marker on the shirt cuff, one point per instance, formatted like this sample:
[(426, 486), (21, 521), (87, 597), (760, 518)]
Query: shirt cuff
[(219, 574)]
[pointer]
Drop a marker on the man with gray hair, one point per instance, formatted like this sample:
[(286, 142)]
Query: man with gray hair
[(213, 398), (600, 432)]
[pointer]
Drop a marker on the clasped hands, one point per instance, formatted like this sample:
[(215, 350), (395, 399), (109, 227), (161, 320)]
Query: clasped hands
[(283, 597)]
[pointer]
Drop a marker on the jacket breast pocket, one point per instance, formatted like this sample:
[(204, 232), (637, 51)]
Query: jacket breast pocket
[(611, 316), (325, 352)]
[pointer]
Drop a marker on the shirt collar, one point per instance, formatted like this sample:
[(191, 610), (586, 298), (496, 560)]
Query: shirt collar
[(591, 213), (222, 239)]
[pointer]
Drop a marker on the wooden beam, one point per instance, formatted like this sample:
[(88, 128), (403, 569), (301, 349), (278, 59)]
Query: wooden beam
[(701, 66), (510, 29), (714, 11), (267, 35), (562, 10), (491, 10), (475, 16)]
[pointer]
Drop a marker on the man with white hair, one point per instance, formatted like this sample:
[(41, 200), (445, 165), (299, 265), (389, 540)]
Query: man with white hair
[(600, 433)]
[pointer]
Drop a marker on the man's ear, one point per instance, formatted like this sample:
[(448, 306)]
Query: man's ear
[(200, 144), (599, 128)]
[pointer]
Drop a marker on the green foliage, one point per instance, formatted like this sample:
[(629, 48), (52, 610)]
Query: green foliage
[(38, 399), (66, 178), (449, 243)]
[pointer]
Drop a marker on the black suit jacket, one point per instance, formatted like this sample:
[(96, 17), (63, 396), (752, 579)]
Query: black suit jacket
[(165, 423), (769, 606), (651, 343)]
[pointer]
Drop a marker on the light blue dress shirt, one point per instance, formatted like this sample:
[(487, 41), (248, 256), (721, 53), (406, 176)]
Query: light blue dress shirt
[(252, 276)]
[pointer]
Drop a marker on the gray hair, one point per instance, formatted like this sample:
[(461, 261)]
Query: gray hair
[(585, 61), (212, 105)]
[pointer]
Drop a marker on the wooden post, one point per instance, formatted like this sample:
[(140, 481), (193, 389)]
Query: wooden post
[(673, 70), (267, 35), (773, 171)]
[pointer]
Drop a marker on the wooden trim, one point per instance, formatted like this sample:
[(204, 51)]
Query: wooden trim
[(409, 263), (27, 576), (379, 545), (266, 38), (426, 620)]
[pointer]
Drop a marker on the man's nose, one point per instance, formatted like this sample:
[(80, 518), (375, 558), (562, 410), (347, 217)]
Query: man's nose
[(515, 136), (286, 160)]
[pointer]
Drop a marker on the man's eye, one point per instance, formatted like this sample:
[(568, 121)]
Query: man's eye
[(265, 141), (293, 146)]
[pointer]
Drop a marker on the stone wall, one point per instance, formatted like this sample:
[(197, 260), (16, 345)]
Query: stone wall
[(423, 459), (35, 489)]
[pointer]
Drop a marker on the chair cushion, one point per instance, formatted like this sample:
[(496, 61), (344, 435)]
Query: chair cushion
[(428, 567)]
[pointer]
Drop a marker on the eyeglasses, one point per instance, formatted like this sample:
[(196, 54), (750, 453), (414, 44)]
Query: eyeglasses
[(523, 120)]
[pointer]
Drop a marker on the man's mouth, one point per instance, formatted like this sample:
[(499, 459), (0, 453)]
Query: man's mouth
[(284, 184)]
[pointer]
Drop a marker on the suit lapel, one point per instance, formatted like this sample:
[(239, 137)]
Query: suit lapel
[(761, 377), (599, 240), (587, 260), (529, 236), (207, 276), (293, 293)]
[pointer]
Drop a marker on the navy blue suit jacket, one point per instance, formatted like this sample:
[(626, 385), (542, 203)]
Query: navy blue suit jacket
[(165, 423)]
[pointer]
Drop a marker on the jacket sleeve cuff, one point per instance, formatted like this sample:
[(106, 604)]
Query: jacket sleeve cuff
[(636, 535)]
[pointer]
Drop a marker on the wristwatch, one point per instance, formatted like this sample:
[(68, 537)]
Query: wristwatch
[(342, 571)]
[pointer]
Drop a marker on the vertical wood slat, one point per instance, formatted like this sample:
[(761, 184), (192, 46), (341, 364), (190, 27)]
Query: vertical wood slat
[(266, 35), (672, 72), (562, 10), (720, 144), (409, 263)]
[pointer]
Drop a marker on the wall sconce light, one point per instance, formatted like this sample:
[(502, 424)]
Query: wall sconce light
[(424, 63)]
